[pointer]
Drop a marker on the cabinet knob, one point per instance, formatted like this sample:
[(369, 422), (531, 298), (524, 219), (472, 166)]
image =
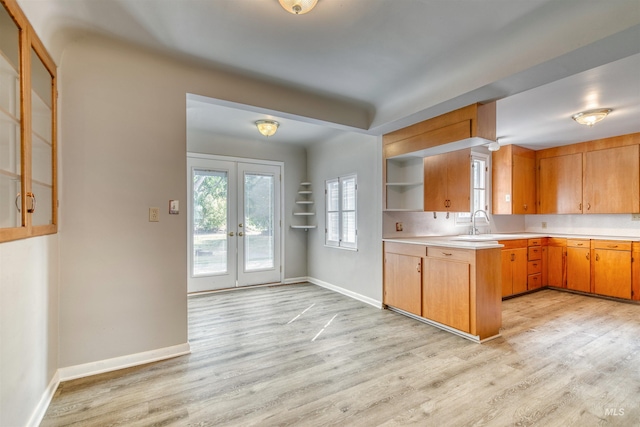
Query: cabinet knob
[(240, 233), (231, 234)]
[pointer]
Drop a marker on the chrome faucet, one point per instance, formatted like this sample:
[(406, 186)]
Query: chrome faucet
[(474, 230)]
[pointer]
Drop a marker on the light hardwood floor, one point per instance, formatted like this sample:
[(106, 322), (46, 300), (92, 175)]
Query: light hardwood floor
[(257, 359)]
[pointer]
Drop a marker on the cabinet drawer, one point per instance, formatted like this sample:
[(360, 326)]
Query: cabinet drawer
[(513, 244), (405, 249), (578, 243), (557, 241), (617, 245), (534, 267), (534, 253), (534, 281), (450, 254), (534, 242)]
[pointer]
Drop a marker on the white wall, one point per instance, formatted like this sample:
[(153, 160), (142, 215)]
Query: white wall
[(358, 272), (28, 325), (124, 135), (295, 171)]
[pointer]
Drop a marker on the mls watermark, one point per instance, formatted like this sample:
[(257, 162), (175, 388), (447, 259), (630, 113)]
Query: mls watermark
[(614, 412)]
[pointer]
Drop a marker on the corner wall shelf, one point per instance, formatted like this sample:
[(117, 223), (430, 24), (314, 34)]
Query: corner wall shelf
[(305, 202)]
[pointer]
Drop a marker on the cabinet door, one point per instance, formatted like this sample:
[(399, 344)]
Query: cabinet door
[(445, 293), (403, 282), (507, 276), (612, 273), (519, 270), (459, 180), (435, 183), (12, 202), (524, 185), (555, 266), (612, 181), (579, 269), (561, 184)]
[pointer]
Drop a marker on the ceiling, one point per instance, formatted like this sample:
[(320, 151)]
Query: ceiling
[(393, 63)]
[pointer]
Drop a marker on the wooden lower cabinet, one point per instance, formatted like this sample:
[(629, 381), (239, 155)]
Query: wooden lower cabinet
[(635, 271), (458, 288), (514, 267), (445, 292), (579, 268), (403, 282), (556, 261), (611, 263), (403, 276)]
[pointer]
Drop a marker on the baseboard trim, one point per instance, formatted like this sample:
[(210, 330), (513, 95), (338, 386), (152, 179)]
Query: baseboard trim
[(45, 401), (293, 280), (108, 365), (347, 292)]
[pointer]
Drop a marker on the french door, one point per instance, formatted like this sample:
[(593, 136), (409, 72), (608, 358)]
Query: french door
[(234, 223)]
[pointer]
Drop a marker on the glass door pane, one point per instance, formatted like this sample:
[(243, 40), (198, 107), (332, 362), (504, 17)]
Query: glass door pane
[(258, 221), (41, 142), (210, 228), (10, 116), (259, 224)]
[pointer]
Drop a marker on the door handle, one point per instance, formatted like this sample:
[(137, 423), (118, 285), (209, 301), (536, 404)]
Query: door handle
[(240, 233)]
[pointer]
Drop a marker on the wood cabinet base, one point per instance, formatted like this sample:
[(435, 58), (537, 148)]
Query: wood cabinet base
[(470, 337)]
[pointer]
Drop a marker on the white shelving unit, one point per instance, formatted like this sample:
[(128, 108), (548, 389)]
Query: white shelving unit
[(405, 184), (305, 207)]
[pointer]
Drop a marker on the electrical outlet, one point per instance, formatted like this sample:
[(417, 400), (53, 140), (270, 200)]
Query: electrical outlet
[(154, 214), (635, 217), (544, 224), (398, 226)]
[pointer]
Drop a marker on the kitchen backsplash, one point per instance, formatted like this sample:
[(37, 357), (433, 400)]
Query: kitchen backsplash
[(424, 224)]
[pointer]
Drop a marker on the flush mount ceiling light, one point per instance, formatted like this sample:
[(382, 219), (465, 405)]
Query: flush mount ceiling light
[(494, 146), (267, 127), (298, 7), (591, 117)]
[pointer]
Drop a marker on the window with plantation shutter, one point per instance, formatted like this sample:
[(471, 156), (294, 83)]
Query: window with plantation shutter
[(341, 212)]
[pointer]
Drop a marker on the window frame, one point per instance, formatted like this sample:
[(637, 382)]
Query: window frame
[(464, 218), (342, 242)]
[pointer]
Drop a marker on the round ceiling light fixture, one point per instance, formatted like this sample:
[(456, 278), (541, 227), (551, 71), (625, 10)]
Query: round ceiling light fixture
[(298, 7), (267, 127), (591, 117)]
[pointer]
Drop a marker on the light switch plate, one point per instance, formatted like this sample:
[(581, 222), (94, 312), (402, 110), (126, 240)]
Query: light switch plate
[(174, 207)]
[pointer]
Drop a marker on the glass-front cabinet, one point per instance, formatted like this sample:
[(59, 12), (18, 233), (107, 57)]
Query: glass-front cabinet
[(28, 193)]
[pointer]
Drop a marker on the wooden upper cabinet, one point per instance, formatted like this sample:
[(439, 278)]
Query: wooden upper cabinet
[(514, 180), (447, 180), (560, 183), (28, 188), (435, 183), (472, 121), (612, 180)]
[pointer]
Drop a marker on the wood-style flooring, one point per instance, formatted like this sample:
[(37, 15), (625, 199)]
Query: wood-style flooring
[(301, 355)]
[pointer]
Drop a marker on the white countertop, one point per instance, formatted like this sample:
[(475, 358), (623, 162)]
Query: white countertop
[(487, 241)]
